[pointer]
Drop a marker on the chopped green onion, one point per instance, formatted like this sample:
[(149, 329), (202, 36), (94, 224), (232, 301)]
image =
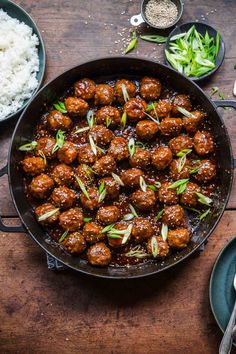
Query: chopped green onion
[(164, 232), (151, 106), (60, 106), (60, 140), (181, 163), (48, 214), (154, 246), (82, 187), (159, 215), (117, 179), (82, 130), (93, 145), (178, 183), (128, 217), (184, 152), (192, 209), (154, 120), (114, 236), (124, 119), (205, 214), (185, 112), (102, 192), (203, 199), (41, 154), (217, 42), (90, 118), (195, 170), (131, 146), (152, 187), (133, 211), (124, 92), (107, 228), (28, 147), (133, 43), (63, 236), (137, 252), (177, 36), (154, 38), (108, 121), (127, 234), (142, 184), (87, 219)]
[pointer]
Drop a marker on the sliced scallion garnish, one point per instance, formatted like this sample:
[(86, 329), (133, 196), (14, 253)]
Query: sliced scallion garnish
[(131, 146), (202, 216), (154, 38), (142, 184), (164, 232), (60, 106), (63, 236), (93, 145), (41, 154), (137, 252), (133, 43), (184, 152), (154, 246), (117, 179), (179, 185), (60, 140), (159, 215), (90, 118), (48, 214), (133, 211), (82, 187), (82, 130), (185, 112), (102, 192), (29, 146), (87, 219), (124, 119), (204, 199)]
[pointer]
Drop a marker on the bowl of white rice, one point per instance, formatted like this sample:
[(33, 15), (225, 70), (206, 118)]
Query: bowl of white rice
[(22, 60)]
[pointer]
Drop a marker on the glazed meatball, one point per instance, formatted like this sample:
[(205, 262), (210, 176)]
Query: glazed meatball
[(71, 219), (99, 255), (108, 115), (146, 129), (174, 170), (167, 196), (143, 200), (178, 238), (41, 186), (171, 126), (180, 143), (203, 143), (182, 101), (92, 203), (93, 232), (189, 197), (163, 109), (173, 215), (135, 108), (105, 165), (46, 208), (74, 243), (104, 94), (150, 88), (85, 89), (206, 172), (162, 247), (191, 124), (108, 214), (130, 88), (63, 197), (56, 120), (161, 157), (112, 187), (76, 106), (46, 145), (86, 155), (140, 159), (101, 135), (131, 177), (141, 230), (119, 149), (63, 174), (117, 242), (67, 153), (85, 174), (33, 166)]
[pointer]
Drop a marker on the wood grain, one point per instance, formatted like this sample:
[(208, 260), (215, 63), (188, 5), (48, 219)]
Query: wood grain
[(46, 312), (43, 312)]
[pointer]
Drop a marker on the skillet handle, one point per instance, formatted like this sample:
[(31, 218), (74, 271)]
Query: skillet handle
[(3, 227), (226, 103)]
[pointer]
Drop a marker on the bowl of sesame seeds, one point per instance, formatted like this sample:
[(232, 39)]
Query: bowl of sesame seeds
[(159, 14)]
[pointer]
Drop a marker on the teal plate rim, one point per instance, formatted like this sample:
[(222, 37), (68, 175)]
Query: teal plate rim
[(9, 6), (221, 292)]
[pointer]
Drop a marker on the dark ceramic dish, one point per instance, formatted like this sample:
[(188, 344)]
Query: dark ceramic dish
[(101, 70), (201, 28), (17, 12)]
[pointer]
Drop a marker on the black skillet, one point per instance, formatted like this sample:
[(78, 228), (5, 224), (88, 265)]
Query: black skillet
[(101, 70)]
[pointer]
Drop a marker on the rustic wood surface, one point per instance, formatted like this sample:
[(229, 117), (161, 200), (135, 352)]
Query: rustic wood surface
[(44, 312)]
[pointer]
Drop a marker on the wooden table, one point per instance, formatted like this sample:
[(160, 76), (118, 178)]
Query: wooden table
[(46, 312)]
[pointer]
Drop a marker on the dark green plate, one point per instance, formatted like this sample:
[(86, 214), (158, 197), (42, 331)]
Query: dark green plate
[(16, 11), (221, 291)]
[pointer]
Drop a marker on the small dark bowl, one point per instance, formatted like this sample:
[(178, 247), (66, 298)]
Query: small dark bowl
[(20, 14), (136, 20), (201, 28)]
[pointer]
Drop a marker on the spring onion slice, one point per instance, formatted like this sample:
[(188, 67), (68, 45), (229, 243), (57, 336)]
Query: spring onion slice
[(107, 228), (164, 232), (48, 214), (102, 192), (137, 252), (87, 219), (60, 140), (82, 187), (60, 106), (178, 183), (203, 199), (82, 130), (63, 236), (204, 215), (108, 121), (154, 38), (28, 147), (142, 184), (124, 92), (93, 145), (90, 118), (154, 246), (41, 154), (127, 234), (128, 217), (185, 112), (133, 43), (124, 119), (131, 146), (184, 152), (154, 120), (117, 179), (159, 215), (133, 211)]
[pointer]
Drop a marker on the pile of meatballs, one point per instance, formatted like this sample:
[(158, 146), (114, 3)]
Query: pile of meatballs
[(161, 135)]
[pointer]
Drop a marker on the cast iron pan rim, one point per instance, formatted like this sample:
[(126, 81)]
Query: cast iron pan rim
[(120, 276), (41, 41)]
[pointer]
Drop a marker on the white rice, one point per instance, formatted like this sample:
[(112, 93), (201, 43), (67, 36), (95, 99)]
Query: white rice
[(19, 64)]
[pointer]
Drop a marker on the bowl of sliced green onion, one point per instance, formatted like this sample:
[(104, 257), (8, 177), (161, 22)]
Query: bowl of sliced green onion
[(195, 49)]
